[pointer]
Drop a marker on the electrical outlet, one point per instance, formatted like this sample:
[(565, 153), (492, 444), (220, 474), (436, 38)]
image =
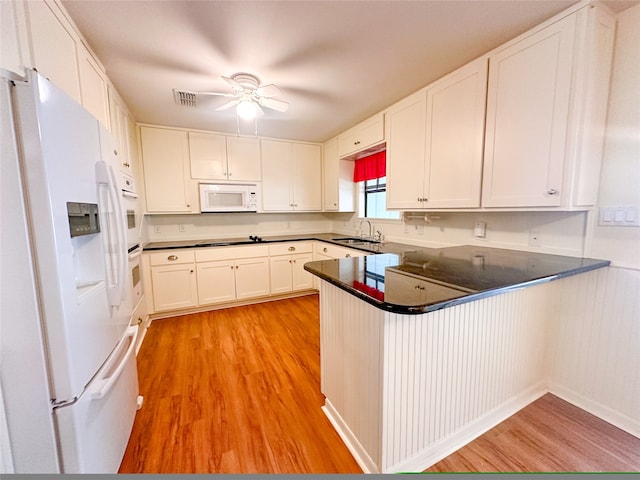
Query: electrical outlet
[(479, 230), (420, 229), (181, 228), (156, 229), (535, 239)]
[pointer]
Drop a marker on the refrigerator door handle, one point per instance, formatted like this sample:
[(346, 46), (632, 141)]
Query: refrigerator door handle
[(105, 176), (102, 386)]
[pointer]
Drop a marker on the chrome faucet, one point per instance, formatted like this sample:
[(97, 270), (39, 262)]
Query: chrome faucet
[(370, 229)]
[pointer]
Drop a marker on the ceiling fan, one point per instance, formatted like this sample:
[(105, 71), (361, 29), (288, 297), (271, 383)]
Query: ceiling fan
[(248, 96)]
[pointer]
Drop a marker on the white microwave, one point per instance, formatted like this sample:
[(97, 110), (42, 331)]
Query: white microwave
[(229, 197)]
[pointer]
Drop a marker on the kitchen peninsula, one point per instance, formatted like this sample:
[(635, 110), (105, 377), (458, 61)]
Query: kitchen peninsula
[(424, 350)]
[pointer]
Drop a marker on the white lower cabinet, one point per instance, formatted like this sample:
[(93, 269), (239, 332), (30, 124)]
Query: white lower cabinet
[(174, 286), (232, 273), (287, 267), (228, 280), (216, 282)]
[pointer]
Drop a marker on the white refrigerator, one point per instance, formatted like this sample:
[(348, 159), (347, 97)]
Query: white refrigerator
[(69, 385)]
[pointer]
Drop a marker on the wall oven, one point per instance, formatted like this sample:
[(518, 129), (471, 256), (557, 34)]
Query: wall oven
[(131, 207)]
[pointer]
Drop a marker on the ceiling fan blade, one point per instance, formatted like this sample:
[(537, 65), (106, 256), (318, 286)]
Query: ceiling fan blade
[(216, 93), (233, 84), (279, 105), (268, 91), (259, 111), (228, 105)]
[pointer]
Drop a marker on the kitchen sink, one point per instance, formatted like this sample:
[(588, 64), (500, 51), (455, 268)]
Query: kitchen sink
[(355, 241)]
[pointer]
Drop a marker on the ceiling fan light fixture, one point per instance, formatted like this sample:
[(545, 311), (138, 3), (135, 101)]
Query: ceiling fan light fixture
[(247, 109)]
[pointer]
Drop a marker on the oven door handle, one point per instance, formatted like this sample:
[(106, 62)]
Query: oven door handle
[(129, 194), (135, 254)]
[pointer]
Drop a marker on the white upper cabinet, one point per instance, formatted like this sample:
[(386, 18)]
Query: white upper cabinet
[(454, 141), (120, 129), (406, 133), (362, 136), (243, 159), (93, 86), (14, 38), (337, 180), (208, 156), (291, 175), (53, 42), (434, 143), (527, 115), (221, 157), (546, 109), (165, 160)]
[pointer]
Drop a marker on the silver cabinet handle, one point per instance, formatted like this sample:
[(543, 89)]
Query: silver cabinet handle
[(292, 249), (418, 287), (552, 191), (325, 250), (172, 258)]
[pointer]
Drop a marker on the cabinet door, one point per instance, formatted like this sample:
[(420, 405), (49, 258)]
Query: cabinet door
[(165, 157), (93, 86), (120, 131), (301, 279), (362, 136), (280, 273), (216, 282), (455, 133), (307, 168), (277, 174), (243, 159), (527, 109), (252, 277), (330, 172), (54, 47), (174, 286), (406, 132), (208, 156)]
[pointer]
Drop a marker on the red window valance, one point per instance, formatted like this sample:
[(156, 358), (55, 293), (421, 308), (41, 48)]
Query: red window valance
[(371, 167)]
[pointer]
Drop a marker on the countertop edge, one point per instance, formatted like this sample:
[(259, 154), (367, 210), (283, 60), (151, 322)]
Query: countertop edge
[(471, 297)]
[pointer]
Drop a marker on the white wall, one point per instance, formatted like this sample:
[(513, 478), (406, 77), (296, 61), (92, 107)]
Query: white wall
[(620, 177), (162, 228)]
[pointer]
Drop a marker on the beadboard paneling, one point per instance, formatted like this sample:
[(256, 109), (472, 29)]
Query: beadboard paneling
[(460, 369), (351, 371), (596, 332)]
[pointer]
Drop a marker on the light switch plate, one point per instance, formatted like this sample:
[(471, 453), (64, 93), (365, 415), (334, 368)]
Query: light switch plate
[(619, 216), (480, 230)]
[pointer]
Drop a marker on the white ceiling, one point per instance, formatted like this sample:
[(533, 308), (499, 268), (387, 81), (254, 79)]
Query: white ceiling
[(336, 62)]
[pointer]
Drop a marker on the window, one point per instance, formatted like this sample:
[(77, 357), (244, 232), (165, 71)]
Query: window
[(373, 203), (370, 174)]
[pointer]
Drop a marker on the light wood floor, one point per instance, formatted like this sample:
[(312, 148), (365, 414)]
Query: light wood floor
[(238, 391)]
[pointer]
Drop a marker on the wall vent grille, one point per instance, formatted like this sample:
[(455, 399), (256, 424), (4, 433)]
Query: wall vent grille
[(185, 98)]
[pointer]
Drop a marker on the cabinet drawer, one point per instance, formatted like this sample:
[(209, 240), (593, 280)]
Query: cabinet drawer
[(171, 257), (334, 251), (290, 248), (229, 253)]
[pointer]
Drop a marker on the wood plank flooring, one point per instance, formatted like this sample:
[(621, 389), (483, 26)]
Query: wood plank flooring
[(238, 391), (235, 391), (548, 435)]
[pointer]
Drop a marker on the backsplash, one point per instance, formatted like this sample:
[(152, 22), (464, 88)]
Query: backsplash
[(548, 232), (560, 233), (162, 228)]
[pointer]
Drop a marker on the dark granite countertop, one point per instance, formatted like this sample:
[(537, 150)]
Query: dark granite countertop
[(404, 278), (421, 280), (386, 247)]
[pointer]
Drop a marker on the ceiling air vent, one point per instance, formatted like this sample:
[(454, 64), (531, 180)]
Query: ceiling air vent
[(185, 98)]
